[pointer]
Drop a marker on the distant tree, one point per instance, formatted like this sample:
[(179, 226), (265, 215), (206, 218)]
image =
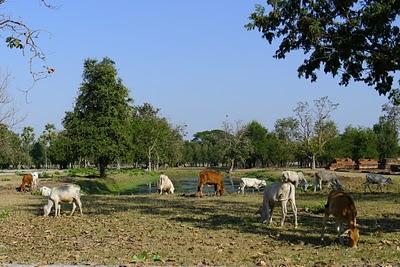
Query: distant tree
[(47, 137), (358, 40), (237, 145), (37, 154), (154, 138), (27, 138), (387, 138), (11, 152), (359, 143), (60, 150), (315, 128), (286, 130), (391, 114), (257, 135), (98, 127), (211, 146)]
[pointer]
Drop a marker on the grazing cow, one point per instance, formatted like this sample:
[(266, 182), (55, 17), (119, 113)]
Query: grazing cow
[(45, 191), (251, 183), (296, 178), (378, 179), (278, 192), (165, 185), (27, 181), (69, 193), (35, 179), (341, 206), (210, 177), (327, 177)]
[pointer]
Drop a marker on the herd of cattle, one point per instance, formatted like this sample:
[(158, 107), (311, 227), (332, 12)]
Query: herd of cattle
[(339, 203)]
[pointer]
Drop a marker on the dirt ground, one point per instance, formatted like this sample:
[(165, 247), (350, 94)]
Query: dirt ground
[(177, 230)]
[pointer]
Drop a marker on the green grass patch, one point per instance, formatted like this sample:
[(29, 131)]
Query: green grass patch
[(118, 183), (4, 214)]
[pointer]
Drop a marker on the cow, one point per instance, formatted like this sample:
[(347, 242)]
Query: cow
[(209, 177), (342, 207), (296, 178), (35, 179), (68, 193), (378, 179), (278, 192), (251, 183), (328, 177), (27, 182), (165, 185)]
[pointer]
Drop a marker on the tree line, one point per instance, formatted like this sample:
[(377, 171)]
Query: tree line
[(105, 128)]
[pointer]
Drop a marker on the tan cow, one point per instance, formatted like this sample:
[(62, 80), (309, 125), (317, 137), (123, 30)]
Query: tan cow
[(341, 206)]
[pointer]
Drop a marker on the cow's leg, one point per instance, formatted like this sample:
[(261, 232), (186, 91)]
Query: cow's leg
[(294, 209), (284, 211), (73, 208), (271, 210), (78, 201), (265, 211), (56, 206), (200, 189), (325, 219)]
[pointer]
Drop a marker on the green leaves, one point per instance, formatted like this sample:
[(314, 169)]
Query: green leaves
[(357, 40), (144, 256), (13, 42)]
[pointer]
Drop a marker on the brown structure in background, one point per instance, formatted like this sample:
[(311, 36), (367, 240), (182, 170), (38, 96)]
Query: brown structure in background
[(341, 163), (367, 164)]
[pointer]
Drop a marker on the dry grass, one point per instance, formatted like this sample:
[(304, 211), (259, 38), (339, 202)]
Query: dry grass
[(176, 230)]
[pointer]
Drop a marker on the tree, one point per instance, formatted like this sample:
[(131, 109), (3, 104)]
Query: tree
[(60, 150), (358, 40), (47, 137), (19, 35), (236, 143), (27, 138), (98, 127), (11, 152), (392, 115), (315, 127), (359, 143), (387, 137), (257, 135), (211, 146), (154, 138)]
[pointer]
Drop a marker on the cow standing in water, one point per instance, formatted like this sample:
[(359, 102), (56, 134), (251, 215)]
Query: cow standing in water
[(210, 177)]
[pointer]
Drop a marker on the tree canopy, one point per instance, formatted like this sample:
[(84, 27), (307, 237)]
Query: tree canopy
[(99, 124), (357, 40)]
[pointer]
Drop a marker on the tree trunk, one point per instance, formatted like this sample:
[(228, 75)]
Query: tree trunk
[(232, 165), (102, 169), (149, 161), (313, 162)]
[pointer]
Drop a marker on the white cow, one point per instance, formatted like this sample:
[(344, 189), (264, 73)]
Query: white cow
[(35, 179), (165, 185), (45, 191), (278, 192), (251, 183), (69, 193), (296, 178)]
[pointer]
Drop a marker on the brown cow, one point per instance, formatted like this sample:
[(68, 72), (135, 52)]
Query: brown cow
[(27, 181), (211, 178), (341, 206)]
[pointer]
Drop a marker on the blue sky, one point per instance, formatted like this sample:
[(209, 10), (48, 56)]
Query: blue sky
[(192, 59)]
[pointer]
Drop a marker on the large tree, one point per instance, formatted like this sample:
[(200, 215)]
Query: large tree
[(358, 40), (98, 127)]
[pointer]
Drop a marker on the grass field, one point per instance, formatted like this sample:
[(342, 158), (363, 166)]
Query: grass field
[(177, 230)]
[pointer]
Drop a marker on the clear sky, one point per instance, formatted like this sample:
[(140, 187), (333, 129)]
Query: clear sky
[(192, 59)]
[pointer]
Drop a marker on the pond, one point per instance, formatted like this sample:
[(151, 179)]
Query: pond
[(188, 185)]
